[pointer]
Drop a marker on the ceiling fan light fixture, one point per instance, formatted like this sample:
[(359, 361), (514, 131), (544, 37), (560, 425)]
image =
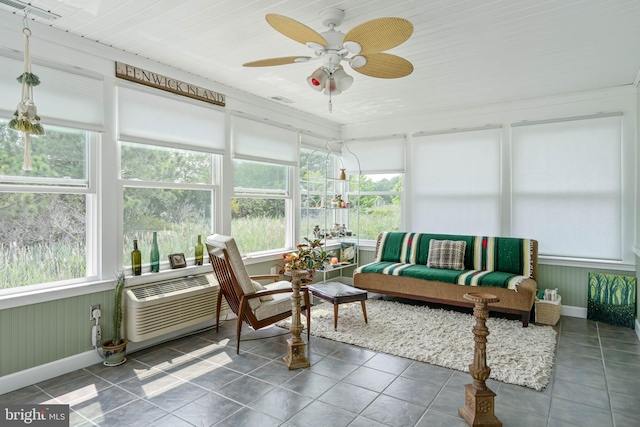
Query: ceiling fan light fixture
[(318, 79), (365, 43)]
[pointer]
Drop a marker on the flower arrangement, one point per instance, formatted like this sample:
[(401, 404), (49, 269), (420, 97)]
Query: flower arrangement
[(309, 256)]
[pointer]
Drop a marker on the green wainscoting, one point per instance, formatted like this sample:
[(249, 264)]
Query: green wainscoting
[(33, 335), (366, 256), (572, 282)]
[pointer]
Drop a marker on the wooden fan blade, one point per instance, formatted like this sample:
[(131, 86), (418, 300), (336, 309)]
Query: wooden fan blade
[(380, 34), (283, 60), (385, 66), (294, 29)]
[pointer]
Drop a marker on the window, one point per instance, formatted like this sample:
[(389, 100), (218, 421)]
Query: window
[(313, 164), (260, 206), (456, 182), (167, 190), (264, 155), (45, 235), (380, 204), (567, 186)]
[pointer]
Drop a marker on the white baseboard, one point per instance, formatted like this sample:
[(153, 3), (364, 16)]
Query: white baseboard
[(572, 311), (59, 367), (49, 370)]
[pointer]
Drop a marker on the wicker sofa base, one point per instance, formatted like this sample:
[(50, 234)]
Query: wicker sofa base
[(512, 302)]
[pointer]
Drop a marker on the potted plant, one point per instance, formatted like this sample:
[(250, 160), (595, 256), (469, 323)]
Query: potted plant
[(116, 348), (309, 256)]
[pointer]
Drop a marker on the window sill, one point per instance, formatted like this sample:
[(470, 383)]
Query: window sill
[(586, 263), (18, 298)]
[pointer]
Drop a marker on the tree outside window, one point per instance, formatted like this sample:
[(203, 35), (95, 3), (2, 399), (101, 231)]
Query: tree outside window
[(43, 212)]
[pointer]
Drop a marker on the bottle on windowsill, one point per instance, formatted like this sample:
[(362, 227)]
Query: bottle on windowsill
[(136, 259), (155, 254), (199, 250)]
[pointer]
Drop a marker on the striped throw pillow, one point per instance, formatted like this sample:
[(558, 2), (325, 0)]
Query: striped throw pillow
[(446, 254)]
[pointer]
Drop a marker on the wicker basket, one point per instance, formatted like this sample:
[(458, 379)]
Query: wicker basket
[(548, 312)]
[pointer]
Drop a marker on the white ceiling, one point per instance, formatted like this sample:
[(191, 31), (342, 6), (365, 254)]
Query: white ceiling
[(466, 53)]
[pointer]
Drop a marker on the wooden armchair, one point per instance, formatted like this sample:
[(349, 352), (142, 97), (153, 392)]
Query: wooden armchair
[(258, 307)]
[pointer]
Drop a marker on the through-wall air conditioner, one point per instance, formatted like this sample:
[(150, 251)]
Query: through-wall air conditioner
[(159, 308)]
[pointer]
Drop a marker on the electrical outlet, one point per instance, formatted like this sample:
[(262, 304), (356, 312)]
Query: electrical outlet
[(91, 308)]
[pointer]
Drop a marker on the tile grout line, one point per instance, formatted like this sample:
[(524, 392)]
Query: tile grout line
[(555, 370), (606, 379)]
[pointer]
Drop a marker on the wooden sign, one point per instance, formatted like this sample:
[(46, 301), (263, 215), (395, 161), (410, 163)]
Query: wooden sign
[(138, 75)]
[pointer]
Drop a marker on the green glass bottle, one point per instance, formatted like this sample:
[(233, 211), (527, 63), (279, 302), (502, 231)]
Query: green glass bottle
[(136, 259), (155, 254), (199, 250)]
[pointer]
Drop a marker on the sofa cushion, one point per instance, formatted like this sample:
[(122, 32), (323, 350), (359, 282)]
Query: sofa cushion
[(396, 247), (460, 277), (507, 254), (413, 248), (447, 254)]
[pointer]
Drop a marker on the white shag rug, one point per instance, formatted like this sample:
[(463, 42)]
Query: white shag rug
[(516, 355)]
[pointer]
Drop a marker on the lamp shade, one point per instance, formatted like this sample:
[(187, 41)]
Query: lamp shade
[(331, 87), (343, 81), (318, 79)]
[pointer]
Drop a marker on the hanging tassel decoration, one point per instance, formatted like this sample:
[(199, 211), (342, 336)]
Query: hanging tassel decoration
[(25, 118), (27, 152)]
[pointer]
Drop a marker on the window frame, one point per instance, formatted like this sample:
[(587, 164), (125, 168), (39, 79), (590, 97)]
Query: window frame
[(44, 185), (269, 194), (122, 183), (361, 193)]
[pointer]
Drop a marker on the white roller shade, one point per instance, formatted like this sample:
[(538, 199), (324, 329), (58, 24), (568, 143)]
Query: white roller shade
[(254, 140), (375, 156), (567, 187), (160, 117), (62, 98), (313, 142), (456, 183)]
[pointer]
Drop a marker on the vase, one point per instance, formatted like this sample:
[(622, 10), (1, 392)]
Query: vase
[(155, 254), (343, 175)]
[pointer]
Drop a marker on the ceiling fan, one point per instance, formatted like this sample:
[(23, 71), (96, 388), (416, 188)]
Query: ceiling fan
[(361, 47)]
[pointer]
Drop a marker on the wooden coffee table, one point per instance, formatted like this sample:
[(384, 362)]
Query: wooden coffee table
[(338, 293)]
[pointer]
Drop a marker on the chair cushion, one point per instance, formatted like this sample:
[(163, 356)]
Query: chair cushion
[(280, 304), (258, 287), (235, 259)]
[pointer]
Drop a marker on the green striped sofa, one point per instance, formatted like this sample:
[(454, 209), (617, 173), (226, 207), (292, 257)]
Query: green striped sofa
[(503, 266)]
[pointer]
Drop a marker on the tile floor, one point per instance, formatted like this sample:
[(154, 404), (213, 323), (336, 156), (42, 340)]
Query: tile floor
[(200, 381)]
